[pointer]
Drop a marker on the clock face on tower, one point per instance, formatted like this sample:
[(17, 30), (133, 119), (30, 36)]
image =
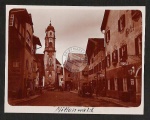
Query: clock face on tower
[(50, 34)]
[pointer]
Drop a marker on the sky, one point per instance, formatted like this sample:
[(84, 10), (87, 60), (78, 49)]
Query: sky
[(73, 26)]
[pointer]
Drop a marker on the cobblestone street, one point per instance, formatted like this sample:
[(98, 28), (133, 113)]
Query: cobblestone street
[(58, 98)]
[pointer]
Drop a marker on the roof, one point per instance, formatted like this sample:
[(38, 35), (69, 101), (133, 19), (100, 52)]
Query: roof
[(105, 18), (22, 15), (57, 62), (36, 40), (50, 27), (40, 57), (94, 43), (76, 56)]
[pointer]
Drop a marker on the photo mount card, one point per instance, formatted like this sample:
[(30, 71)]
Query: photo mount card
[(75, 59)]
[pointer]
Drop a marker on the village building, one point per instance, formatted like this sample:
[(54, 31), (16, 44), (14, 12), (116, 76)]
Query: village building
[(95, 51), (59, 74), (73, 67), (40, 78), (21, 53), (123, 38)]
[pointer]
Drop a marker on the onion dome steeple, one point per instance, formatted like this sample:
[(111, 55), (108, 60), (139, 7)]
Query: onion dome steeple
[(50, 27)]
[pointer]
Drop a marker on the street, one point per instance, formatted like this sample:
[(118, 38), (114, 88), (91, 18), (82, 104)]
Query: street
[(65, 98)]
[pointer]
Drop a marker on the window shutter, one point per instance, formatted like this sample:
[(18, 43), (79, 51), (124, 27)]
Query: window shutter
[(113, 60), (119, 25), (108, 35), (120, 53), (124, 52), (116, 51), (124, 21), (108, 60)]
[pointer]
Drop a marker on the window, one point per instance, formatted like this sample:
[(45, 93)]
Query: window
[(50, 62), (115, 84), (16, 64), (121, 23), (50, 44), (107, 36), (11, 20), (50, 33), (125, 84), (108, 60), (123, 53), (138, 45), (115, 57)]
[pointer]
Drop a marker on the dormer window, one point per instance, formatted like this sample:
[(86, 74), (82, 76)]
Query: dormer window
[(121, 23)]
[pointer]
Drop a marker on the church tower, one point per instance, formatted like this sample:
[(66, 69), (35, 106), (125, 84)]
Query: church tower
[(50, 55)]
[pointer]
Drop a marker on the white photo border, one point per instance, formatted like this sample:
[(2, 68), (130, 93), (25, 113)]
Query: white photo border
[(97, 110)]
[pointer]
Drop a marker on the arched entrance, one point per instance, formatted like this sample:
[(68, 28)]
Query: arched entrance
[(138, 79)]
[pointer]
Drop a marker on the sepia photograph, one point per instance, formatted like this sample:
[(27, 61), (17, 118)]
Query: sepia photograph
[(73, 59)]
